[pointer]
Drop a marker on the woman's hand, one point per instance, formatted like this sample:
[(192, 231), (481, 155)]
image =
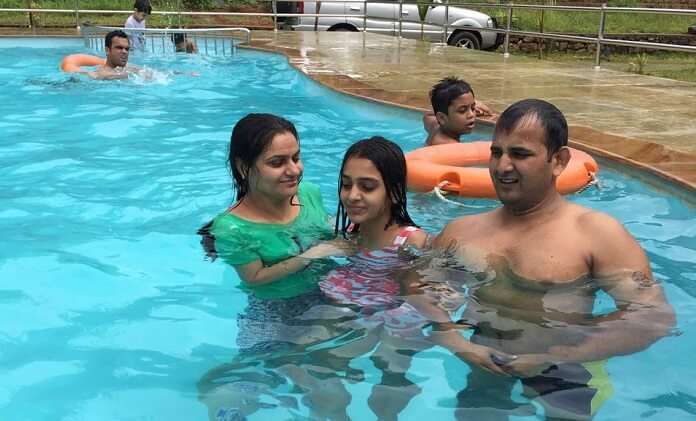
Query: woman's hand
[(337, 247)]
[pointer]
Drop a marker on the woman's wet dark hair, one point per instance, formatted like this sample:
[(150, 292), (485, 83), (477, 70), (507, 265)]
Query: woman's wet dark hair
[(389, 160), (250, 137), (551, 119)]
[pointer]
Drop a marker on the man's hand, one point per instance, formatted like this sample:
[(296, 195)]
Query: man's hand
[(528, 365), (487, 358)]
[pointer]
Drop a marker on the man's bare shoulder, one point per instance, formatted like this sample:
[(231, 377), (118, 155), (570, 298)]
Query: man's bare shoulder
[(464, 227), (594, 222)]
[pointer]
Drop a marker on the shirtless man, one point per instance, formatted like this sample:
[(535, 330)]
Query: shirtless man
[(116, 67), (533, 268)]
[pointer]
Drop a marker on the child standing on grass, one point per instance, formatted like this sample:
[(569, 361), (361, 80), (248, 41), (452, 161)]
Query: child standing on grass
[(136, 21)]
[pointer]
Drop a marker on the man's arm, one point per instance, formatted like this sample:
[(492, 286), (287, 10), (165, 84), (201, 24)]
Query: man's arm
[(620, 268), (101, 75), (444, 331)]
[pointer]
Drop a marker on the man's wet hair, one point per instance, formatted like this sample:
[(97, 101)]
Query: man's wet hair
[(142, 6), (549, 117), (389, 160), (114, 34), (447, 90)]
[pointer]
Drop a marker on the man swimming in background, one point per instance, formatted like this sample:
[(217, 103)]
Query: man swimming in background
[(117, 48), (533, 269)]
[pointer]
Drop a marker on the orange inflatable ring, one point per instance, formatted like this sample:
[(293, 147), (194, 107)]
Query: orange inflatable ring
[(73, 62), (464, 166)]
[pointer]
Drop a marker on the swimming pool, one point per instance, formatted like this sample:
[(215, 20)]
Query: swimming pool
[(110, 310)]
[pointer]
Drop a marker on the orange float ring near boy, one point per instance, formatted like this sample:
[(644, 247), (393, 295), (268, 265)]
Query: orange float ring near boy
[(74, 62), (462, 168)]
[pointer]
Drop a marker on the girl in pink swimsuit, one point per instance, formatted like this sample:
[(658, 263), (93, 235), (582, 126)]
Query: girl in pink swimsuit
[(372, 212)]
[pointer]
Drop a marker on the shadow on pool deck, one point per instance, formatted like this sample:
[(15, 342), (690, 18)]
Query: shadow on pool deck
[(644, 121)]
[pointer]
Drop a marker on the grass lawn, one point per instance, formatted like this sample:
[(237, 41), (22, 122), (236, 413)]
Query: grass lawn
[(153, 21), (671, 65)]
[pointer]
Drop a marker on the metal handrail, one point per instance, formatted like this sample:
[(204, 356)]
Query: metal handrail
[(94, 37), (599, 41)]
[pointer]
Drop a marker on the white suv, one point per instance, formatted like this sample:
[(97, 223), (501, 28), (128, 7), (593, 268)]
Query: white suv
[(466, 28)]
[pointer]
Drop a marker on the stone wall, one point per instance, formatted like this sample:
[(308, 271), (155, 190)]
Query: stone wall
[(529, 44)]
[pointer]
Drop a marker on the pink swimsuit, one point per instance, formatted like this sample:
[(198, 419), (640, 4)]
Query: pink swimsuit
[(367, 282)]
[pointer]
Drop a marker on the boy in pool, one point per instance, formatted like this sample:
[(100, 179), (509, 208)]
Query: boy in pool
[(454, 111), (183, 45), (136, 21)]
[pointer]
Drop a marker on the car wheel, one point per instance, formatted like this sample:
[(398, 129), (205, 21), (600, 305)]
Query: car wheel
[(342, 28), (465, 40)]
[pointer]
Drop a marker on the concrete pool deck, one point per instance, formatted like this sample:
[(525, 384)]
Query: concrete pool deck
[(644, 121)]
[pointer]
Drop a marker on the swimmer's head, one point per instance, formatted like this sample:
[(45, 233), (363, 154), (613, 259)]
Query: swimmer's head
[(447, 90), (454, 106), (117, 48), (179, 41), (141, 10), (529, 111), (528, 154), (251, 137), (388, 158)]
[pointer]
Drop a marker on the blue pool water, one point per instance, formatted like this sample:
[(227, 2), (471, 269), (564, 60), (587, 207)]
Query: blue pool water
[(110, 312)]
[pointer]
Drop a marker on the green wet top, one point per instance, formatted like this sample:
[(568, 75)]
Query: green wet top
[(239, 241)]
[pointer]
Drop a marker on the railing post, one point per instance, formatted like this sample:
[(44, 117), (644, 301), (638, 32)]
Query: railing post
[(77, 14), (30, 16), (600, 36), (541, 43), (364, 16), (445, 28), (275, 16), (401, 10), (506, 50)]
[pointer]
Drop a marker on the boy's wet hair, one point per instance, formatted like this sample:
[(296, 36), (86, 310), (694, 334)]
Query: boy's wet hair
[(142, 6), (250, 137), (114, 34), (549, 117), (178, 38), (389, 160), (447, 90)]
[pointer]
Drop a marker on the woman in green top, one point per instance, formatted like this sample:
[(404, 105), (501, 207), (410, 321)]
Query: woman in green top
[(272, 235), (268, 233)]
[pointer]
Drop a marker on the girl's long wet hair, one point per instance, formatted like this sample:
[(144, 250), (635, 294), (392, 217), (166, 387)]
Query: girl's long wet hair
[(389, 160), (250, 137)]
